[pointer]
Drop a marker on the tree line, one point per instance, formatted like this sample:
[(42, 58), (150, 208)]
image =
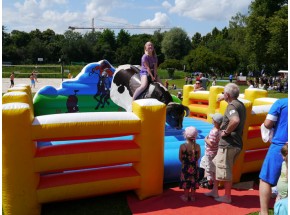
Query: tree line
[(254, 42)]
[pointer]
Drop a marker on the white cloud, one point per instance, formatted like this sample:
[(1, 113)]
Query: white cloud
[(160, 19), (48, 3), (55, 14), (207, 9), (98, 8), (166, 5)]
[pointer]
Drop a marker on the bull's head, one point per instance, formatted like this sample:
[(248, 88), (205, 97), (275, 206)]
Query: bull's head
[(175, 113)]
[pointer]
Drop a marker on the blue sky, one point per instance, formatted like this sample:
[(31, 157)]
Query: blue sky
[(191, 15)]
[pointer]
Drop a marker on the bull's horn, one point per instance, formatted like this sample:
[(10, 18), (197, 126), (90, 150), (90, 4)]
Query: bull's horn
[(187, 110), (172, 103)]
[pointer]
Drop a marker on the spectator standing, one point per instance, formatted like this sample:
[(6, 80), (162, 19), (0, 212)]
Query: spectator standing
[(256, 82), (69, 76), (189, 80), (32, 80), (166, 84), (12, 76), (230, 144), (231, 78), (186, 80), (35, 76), (179, 95), (211, 147), (213, 81), (204, 81), (277, 118), (189, 153)]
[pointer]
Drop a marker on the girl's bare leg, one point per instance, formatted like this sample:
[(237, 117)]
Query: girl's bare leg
[(185, 196), (142, 87), (192, 195)]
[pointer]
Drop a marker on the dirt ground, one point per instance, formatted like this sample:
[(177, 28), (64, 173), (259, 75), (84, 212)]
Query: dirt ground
[(55, 82)]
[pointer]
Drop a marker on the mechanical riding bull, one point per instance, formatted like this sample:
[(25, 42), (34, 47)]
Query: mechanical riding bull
[(126, 80)]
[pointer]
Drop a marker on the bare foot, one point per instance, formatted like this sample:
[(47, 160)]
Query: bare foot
[(212, 194), (224, 199), (184, 198)]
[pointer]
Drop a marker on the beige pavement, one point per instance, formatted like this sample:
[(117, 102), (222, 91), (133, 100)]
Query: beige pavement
[(55, 82)]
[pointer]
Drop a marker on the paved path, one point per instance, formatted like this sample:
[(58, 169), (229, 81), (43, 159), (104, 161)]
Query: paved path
[(55, 82)]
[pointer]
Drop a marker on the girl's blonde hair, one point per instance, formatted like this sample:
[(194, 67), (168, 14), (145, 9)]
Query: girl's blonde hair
[(153, 52)]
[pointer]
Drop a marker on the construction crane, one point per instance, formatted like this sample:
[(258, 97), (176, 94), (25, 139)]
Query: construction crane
[(93, 27)]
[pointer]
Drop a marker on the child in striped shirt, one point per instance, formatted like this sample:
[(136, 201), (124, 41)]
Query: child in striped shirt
[(211, 148)]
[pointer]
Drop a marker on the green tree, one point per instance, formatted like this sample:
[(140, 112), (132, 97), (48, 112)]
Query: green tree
[(277, 47), (123, 38), (20, 38), (106, 46), (258, 33), (69, 51), (123, 53), (236, 36), (200, 59), (196, 40), (175, 44), (157, 38)]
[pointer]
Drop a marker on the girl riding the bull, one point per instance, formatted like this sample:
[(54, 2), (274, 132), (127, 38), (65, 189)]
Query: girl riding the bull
[(148, 70)]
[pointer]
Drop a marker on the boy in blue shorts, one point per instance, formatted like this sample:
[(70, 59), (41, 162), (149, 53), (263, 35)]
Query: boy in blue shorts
[(277, 118)]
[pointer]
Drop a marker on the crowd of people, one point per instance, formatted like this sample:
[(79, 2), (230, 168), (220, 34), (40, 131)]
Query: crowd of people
[(279, 84)]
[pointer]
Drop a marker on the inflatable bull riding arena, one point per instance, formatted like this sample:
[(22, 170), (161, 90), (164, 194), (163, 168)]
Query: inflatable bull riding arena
[(87, 137)]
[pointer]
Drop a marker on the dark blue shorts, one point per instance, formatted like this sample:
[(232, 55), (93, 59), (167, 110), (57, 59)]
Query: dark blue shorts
[(271, 168)]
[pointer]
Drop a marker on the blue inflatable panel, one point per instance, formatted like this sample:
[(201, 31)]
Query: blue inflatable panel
[(172, 140)]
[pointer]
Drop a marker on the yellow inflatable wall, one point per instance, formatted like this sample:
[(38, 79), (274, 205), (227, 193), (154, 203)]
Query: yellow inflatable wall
[(25, 182)]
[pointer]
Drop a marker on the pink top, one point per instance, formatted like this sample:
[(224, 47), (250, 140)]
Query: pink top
[(214, 138)]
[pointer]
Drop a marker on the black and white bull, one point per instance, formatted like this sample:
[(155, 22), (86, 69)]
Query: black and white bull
[(126, 80)]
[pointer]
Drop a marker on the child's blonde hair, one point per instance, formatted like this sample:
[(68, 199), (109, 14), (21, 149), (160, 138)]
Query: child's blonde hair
[(153, 52), (284, 152), (190, 133)]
